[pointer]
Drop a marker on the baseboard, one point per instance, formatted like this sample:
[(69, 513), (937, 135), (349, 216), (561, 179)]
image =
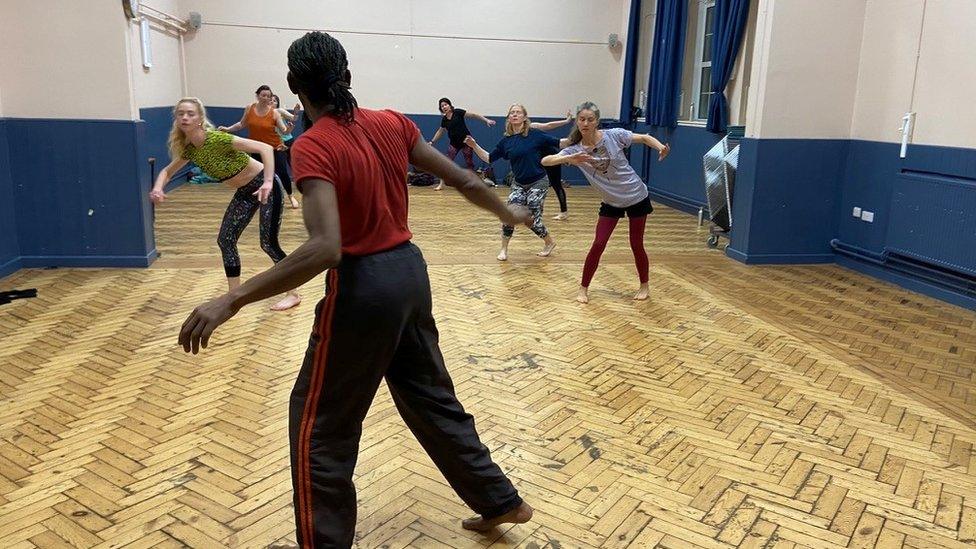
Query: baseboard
[(908, 282), (10, 267), (778, 259), (86, 261)]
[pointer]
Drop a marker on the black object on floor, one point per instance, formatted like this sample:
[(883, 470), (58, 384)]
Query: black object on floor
[(8, 296)]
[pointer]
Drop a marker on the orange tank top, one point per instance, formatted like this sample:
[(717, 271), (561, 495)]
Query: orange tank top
[(262, 128)]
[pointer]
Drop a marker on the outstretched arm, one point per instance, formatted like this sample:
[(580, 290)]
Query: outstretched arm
[(156, 194), (469, 114), (482, 154), (321, 251), (549, 126), (437, 135), (576, 159), (466, 182), (663, 149), (237, 125), (286, 115)]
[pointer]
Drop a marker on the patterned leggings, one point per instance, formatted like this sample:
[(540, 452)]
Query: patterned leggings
[(465, 150), (532, 196), (239, 213)]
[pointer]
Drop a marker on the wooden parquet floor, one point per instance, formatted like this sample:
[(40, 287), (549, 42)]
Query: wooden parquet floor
[(738, 407)]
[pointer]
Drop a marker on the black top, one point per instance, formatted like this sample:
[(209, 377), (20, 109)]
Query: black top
[(457, 130)]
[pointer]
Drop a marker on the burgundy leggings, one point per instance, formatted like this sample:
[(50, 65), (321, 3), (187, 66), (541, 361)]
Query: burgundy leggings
[(604, 228)]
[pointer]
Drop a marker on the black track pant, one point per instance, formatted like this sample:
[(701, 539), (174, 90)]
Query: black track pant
[(375, 322)]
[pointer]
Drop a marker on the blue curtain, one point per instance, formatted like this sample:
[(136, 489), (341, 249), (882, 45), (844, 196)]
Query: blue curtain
[(730, 27), (630, 63), (664, 85)]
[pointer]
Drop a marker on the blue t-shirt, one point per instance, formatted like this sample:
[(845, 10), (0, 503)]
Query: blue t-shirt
[(525, 154)]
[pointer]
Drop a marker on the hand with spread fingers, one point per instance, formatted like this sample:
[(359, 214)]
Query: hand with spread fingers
[(579, 159)]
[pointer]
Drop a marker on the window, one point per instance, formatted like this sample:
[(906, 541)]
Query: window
[(696, 63), (696, 78), (703, 59)]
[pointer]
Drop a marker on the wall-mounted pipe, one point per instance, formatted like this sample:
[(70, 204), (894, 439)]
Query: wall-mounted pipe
[(162, 17), (890, 262), (146, 44)]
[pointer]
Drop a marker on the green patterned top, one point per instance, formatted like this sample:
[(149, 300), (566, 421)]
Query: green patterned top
[(217, 157)]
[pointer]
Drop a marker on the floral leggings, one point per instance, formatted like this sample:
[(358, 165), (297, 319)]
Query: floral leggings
[(239, 212), (531, 196)]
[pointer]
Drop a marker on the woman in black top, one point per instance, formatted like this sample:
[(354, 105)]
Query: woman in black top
[(457, 130)]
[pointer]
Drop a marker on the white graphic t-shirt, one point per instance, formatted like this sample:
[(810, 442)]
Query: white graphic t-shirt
[(613, 176)]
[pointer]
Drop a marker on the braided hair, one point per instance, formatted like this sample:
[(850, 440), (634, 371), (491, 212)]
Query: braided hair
[(317, 67)]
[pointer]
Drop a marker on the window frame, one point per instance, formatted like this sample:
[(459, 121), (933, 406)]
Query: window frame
[(701, 115)]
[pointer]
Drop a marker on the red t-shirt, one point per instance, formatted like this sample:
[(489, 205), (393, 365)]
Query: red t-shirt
[(367, 163)]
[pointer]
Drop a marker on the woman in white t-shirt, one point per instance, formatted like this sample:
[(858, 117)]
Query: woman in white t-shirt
[(599, 154)]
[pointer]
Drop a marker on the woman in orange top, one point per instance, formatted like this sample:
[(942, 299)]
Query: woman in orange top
[(260, 118)]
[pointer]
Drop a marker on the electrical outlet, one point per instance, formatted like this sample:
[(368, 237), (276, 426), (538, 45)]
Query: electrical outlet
[(857, 211), (867, 216)]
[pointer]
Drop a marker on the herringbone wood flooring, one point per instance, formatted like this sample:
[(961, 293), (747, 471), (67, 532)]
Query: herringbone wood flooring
[(739, 406)]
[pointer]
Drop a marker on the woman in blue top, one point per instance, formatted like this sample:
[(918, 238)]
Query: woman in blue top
[(523, 146)]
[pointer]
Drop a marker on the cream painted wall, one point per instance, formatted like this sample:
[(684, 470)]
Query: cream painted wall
[(887, 62), (547, 54), (807, 68), (946, 82), (860, 83), (49, 73), (162, 84)]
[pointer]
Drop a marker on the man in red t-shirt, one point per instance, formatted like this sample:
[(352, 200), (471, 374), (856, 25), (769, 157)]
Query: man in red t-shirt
[(375, 321)]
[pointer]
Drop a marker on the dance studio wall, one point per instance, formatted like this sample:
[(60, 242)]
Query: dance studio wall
[(157, 88), (547, 54), (798, 123), (9, 243), (70, 162), (822, 139), (924, 205)]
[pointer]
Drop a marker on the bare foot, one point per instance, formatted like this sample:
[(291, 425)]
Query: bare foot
[(641, 294), (503, 255), (290, 300), (582, 296), (294, 202), (561, 216), (547, 249), (439, 187), (519, 515)]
